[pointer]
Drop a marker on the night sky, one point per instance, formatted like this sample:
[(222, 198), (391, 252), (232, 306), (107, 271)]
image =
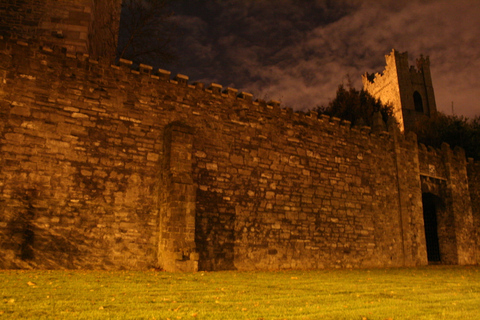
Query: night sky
[(299, 51)]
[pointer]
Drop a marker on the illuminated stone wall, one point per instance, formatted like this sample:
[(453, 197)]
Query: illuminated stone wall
[(112, 168), (473, 170), (443, 174), (397, 85)]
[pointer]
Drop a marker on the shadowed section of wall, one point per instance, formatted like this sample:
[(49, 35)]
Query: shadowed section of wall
[(103, 37), (85, 26), (108, 167), (474, 187), (444, 176), (458, 198)]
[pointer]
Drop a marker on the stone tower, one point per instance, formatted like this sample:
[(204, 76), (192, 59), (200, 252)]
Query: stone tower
[(407, 88), (85, 26)]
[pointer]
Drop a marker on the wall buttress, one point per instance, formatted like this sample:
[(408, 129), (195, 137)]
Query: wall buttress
[(410, 200), (177, 248), (460, 204), (473, 170)]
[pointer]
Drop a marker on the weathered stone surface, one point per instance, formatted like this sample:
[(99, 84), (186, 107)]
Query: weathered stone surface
[(473, 170), (408, 89), (79, 26), (112, 169)]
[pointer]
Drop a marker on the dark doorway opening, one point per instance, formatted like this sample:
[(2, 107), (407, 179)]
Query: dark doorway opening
[(431, 227)]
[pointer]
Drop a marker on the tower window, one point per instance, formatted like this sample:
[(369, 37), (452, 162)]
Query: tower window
[(417, 100)]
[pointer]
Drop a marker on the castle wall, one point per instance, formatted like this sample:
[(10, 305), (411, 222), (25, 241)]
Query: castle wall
[(65, 23), (79, 164), (460, 201), (397, 85), (298, 194), (103, 38), (85, 26), (444, 175), (385, 87), (416, 79), (107, 167), (473, 170)]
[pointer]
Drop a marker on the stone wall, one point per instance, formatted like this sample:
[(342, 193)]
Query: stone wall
[(398, 83), (21, 17), (444, 174), (103, 38), (473, 169), (76, 138), (107, 167), (385, 86), (85, 26)]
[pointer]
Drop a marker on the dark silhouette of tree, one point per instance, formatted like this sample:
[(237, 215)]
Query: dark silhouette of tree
[(358, 107), (146, 31), (454, 130)]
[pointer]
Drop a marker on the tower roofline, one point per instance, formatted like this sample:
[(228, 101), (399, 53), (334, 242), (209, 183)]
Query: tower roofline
[(408, 88)]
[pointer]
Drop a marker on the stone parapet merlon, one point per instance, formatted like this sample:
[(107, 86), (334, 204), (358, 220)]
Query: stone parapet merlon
[(48, 55)]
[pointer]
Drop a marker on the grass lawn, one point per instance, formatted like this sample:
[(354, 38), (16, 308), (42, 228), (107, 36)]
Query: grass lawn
[(438, 292)]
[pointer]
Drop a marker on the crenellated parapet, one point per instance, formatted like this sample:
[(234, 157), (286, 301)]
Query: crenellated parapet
[(433, 160), (83, 65), (408, 89), (128, 166)]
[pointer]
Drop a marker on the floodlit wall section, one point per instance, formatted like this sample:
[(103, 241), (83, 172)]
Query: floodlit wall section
[(108, 167)]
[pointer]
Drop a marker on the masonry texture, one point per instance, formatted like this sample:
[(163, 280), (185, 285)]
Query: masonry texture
[(107, 167), (408, 89), (85, 26)]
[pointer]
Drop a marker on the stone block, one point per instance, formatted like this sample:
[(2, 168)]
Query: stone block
[(14, 137), (195, 256), (212, 166), (20, 110), (270, 195), (153, 156)]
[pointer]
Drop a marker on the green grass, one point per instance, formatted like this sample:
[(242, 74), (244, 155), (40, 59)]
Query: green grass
[(418, 293)]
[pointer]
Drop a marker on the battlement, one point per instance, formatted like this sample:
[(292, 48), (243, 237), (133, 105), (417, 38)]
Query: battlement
[(125, 166), (58, 57), (394, 61), (408, 89)]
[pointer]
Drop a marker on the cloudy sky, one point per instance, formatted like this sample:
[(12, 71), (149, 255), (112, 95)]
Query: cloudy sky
[(299, 51)]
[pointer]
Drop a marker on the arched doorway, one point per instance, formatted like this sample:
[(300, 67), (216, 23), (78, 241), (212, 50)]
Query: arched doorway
[(430, 205)]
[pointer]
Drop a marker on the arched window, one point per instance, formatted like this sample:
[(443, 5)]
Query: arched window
[(417, 100)]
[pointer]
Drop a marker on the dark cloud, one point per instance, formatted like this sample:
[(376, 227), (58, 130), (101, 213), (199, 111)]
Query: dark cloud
[(299, 51)]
